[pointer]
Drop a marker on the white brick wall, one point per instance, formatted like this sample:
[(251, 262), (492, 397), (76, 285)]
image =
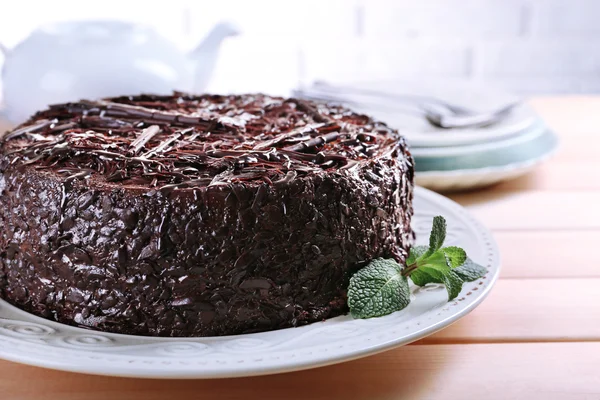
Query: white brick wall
[(278, 18), (443, 18), (528, 46), (566, 18), (361, 59), (534, 58)]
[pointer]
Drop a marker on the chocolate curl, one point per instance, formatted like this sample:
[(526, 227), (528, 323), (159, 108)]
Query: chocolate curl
[(303, 105), (144, 137), (107, 108), (26, 129), (314, 142)]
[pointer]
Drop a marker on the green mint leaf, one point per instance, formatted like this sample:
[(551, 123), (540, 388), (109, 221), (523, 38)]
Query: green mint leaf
[(449, 279), (455, 255), (415, 253), (378, 289), (470, 271), (453, 284), (430, 269), (424, 275), (436, 260), (438, 234)]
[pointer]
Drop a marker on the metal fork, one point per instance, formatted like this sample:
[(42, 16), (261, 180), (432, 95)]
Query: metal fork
[(437, 112), (443, 119), (410, 98)]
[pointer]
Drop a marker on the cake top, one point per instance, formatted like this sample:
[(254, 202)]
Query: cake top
[(196, 141)]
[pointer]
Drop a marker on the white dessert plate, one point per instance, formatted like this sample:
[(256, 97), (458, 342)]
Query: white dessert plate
[(469, 179), (395, 107), (31, 340), (484, 165)]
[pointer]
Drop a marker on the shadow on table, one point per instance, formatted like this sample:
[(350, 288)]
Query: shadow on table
[(398, 373)]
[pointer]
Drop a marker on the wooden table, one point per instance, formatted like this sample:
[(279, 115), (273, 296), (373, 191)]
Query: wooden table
[(537, 336)]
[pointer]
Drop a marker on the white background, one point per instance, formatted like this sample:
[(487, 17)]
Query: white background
[(526, 46)]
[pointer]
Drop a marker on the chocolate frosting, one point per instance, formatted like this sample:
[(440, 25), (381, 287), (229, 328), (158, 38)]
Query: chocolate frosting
[(197, 215), (195, 141)]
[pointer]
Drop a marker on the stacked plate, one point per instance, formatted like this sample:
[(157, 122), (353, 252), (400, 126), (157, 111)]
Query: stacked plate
[(455, 158)]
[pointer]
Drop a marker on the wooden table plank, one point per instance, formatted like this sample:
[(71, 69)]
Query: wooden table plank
[(557, 175), (577, 149), (549, 371), (544, 254), (534, 210), (531, 310), (570, 115)]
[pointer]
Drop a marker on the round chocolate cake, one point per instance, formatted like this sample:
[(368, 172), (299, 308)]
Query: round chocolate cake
[(197, 215)]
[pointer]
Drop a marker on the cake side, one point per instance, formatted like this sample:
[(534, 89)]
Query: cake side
[(169, 258)]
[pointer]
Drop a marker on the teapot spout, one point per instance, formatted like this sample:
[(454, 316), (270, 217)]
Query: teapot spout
[(213, 40), (3, 50), (204, 56)]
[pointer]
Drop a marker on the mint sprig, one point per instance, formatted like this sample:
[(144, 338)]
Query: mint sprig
[(381, 287), (455, 256), (438, 234), (377, 290), (470, 271)]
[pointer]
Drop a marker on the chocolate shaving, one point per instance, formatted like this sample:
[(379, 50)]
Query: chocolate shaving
[(317, 141), (26, 129), (180, 141), (304, 105), (144, 137)]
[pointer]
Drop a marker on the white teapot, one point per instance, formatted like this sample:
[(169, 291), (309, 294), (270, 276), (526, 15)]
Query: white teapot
[(74, 60)]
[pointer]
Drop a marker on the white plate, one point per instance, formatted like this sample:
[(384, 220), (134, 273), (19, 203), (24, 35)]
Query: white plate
[(516, 141), (32, 340), (453, 181), (404, 116), (484, 168), (538, 145)]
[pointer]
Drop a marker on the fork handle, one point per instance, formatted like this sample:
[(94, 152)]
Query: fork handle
[(392, 96)]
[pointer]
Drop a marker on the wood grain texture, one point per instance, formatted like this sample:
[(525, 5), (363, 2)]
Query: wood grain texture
[(534, 210), (571, 116), (576, 149), (558, 175), (530, 310), (549, 371), (544, 254)]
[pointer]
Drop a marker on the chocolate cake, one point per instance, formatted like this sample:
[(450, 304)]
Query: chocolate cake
[(197, 215)]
